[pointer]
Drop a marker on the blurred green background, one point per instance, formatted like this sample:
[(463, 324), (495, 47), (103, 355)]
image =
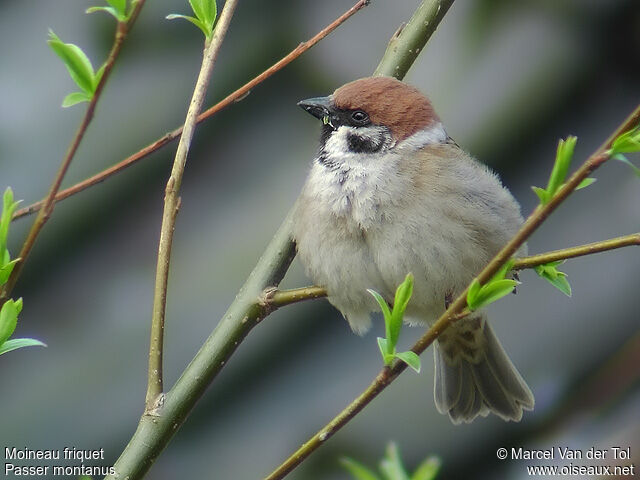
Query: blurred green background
[(507, 78)]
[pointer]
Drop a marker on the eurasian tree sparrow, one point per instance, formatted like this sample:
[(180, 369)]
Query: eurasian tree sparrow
[(390, 193)]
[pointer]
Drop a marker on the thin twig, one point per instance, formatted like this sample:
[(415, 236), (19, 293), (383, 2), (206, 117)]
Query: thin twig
[(49, 201), (172, 204), (247, 310), (579, 251), (389, 374), (172, 135), (281, 298)]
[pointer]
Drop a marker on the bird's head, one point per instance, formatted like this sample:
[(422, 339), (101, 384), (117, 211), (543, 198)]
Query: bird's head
[(374, 114)]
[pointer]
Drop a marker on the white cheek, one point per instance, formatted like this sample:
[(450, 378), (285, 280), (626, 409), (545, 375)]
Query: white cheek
[(336, 146)]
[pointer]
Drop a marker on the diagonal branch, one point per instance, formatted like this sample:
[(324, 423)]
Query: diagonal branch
[(155, 431), (388, 374), (407, 43), (172, 135), (171, 206), (48, 203), (281, 298)]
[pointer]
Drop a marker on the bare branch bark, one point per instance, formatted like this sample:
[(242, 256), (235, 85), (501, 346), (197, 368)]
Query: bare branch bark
[(172, 204), (281, 298)]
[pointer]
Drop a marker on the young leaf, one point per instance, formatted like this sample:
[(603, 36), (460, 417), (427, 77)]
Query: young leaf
[(16, 343), (358, 470), (110, 10), (491, 292), (98, 76), (506, 268), (628, 142), (472, 294), (411, 359), (6, 269), (402, 297), (625, 160), (383, 305), (391, 465), (385, 350), (8, 320), (427, 469), (542, 194), (119, 5), (75, 98), (556, 278), (197, 22), (586, 182), (8, 207), (564, 154), (76, 61)]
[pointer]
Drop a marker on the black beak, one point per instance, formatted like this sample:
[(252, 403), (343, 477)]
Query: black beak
[(319, 107)]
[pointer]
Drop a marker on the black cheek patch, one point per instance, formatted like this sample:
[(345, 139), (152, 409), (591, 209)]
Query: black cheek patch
[(358, 144)]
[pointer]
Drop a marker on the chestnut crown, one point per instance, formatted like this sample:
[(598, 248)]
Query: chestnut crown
[(389, 102)]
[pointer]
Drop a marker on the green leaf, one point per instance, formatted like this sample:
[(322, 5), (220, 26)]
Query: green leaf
[(411, 359), (623, 159), (491, 292), (8, 320), (383, 305), (109, 10), (385, 350), (427, 469), (504, 269), (5, 270), (195, 21), (391, 465), (98, 76), (628, 142), (556, 278), (76, 61), (586, 182), (16, 343), (564, 154), (472, 294), (402, 297), (8, 208), (542, 194), (18, 304), (358, 470), (75, 98), (205, 10), (120, 6)]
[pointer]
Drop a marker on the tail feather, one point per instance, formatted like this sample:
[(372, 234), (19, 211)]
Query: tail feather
[(474, 376)]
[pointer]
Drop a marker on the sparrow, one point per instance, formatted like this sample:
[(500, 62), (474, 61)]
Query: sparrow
[(391, 193)]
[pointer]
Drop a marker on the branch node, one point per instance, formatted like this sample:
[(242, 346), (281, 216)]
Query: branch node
[(155, 409)]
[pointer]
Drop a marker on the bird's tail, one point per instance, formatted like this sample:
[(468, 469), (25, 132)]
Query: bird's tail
[(474, 376)]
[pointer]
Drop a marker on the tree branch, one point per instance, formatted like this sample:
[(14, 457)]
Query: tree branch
[(389, 374), (250, 306), (172, 135), (410, 39), (579, 251), (48, 203), (281, 298), (172, 204)]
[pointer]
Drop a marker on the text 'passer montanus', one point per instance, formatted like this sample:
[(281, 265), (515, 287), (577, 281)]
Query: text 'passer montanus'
[(390, 193)]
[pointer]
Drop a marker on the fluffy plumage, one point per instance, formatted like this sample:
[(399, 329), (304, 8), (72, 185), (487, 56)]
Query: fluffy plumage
[(416, 203)]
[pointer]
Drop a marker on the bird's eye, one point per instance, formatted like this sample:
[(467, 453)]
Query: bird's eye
[(360, 117)]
